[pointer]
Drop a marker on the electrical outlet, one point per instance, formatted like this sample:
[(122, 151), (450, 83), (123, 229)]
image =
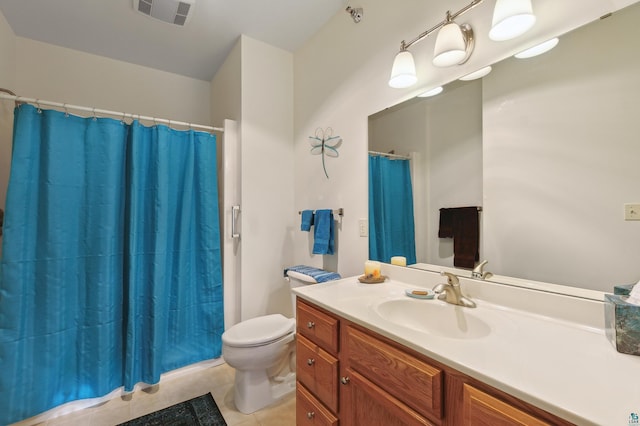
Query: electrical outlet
[(363, 226), (632, 212)]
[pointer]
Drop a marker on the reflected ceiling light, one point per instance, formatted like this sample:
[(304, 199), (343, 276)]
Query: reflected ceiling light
[(453, 46), (477, 74), (511, 18), (537, 49), (403, 72), (432, 92)]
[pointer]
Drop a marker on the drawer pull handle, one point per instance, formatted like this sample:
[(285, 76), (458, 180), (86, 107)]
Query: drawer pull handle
[(345, 380), (311, 415), (311, 324), (311, 361)]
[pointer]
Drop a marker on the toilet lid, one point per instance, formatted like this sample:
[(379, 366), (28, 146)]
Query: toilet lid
[(258, 331)]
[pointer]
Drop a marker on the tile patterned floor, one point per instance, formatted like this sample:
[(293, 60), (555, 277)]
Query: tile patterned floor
[(218, 380)]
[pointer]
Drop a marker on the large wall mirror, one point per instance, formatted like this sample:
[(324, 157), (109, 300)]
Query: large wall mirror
[(548, 146)]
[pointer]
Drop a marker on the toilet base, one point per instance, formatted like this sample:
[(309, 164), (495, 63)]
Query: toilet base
[(253, 390)]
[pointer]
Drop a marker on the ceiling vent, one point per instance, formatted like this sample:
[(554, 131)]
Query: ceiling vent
[(172, 11)]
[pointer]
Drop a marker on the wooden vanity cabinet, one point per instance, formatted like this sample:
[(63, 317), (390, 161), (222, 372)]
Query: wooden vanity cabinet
[(359, 377)]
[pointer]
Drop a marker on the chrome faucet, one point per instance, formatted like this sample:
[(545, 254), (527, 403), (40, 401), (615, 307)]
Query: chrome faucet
[(451, 293), (478, 271)]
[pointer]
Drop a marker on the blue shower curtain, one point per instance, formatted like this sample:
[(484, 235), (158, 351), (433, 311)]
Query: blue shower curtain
[(391, 222), (111, 261)]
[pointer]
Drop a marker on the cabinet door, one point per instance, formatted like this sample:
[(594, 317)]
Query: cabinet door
[(364, 403), (482, 409), (411, 380), (311, 412), (318, 371)]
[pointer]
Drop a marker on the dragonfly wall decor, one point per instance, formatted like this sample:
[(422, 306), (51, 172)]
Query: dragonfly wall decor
[(324, 143)]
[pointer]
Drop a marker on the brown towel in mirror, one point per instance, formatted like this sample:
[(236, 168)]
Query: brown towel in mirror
[(446, 223), (463, 224)]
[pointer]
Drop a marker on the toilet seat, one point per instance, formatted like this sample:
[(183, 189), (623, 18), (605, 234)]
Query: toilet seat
[(259, 331)]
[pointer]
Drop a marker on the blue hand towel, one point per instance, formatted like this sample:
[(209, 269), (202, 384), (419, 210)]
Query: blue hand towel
[(323, 234), (320, 275), (307, 220)]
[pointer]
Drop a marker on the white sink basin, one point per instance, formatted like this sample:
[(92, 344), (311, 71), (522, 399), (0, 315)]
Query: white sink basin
[(433, 317)]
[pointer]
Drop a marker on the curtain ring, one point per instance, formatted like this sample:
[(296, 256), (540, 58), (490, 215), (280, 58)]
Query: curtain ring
[(66, 112), (124, 115), (93, 110), (38, 105)]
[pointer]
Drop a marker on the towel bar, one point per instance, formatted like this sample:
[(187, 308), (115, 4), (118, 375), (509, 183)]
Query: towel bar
[(339, 212)]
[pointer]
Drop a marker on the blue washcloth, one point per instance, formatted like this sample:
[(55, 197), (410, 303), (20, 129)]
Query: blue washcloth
[(323, 235), (307, 220), (320, 275)]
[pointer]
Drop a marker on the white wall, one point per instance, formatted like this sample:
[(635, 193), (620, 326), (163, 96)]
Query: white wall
[(267, 177), (341, 78), (561, 155), (55, 73), (255, 87)]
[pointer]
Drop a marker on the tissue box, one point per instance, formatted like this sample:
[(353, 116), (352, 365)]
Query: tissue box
[(622, 322), (623, 290)]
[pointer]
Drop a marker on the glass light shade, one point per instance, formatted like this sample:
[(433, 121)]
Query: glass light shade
[(477, 74), (450, 46), (511, 18), (403, 72), (432, 92), (538, 49)]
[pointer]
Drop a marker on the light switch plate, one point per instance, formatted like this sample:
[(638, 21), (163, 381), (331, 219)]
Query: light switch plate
[(363, 226), (632, 212)]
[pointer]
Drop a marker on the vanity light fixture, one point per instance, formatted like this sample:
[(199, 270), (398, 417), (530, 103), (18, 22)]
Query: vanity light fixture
[(511, 18), (453, 46), (403, 73), (476, 74), (538, 49), (432, 92)]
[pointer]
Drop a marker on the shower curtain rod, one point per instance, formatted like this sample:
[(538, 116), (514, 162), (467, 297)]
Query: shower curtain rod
[(384, 154), (94, 111)]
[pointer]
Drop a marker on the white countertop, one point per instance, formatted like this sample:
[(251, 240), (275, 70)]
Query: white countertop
[(561, 363)]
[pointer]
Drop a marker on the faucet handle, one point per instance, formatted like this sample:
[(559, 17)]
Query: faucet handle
[(478, 271), (452, 279), (480, 266)]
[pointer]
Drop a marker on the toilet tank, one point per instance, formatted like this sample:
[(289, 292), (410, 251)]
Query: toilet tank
[(296, 279)]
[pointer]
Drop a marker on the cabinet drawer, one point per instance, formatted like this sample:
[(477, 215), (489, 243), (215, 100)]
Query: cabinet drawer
[(480, 408), (318, 371), (414, 382), (311, 412), (317, 326)]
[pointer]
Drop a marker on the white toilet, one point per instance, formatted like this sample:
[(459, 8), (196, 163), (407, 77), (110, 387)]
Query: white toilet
[(262, 350)]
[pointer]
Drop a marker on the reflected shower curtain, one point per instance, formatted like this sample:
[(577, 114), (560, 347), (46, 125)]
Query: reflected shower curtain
[(111, 263), (391, 223)]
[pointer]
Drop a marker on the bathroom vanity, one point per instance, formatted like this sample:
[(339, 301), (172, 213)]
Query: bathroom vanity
[(367, 354)]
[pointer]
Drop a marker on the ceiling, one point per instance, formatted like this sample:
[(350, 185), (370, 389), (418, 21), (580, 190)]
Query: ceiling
[(112, 28)]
